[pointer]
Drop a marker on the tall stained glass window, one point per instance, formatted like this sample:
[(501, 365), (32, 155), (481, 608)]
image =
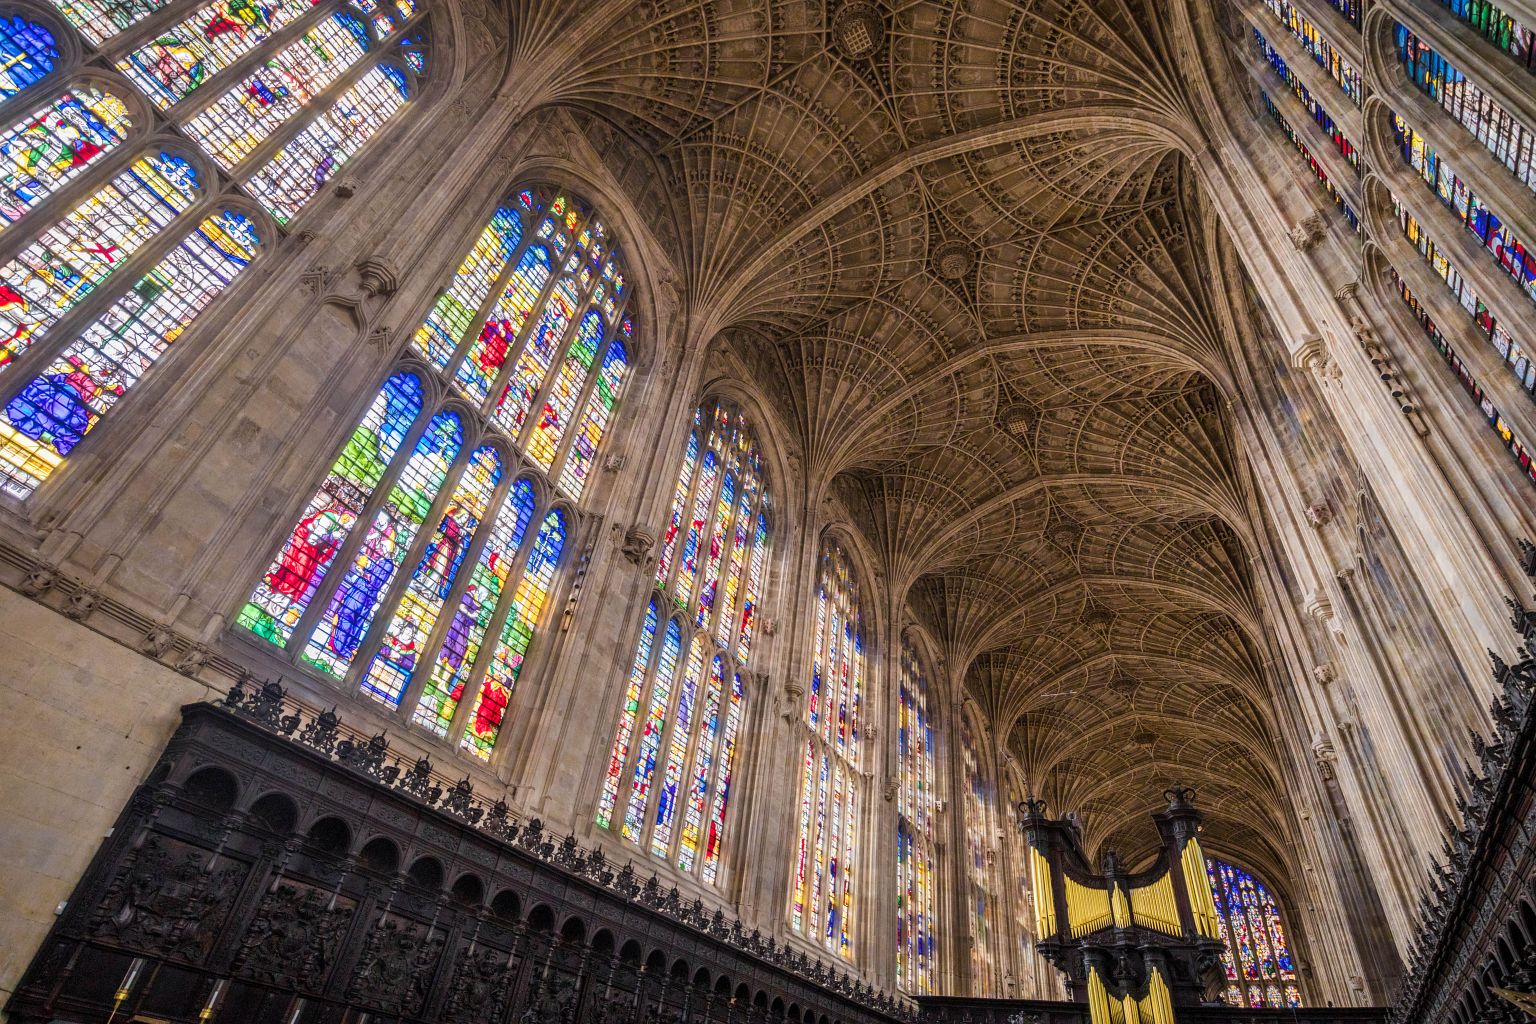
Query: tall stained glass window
[(824, 880), (668, 783), (917, 801), (111, 247), (1260, 970), (981, 832), (422, 568)]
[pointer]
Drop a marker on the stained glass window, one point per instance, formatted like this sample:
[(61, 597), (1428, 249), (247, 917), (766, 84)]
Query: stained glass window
[(831, 787), (1319, 114), (423, 568), (1462, 199), (1503, 136), (917, 801), (1499, 28), (1322, 51), (1260, 970), (674, 750), (533, 328), (981, 832), (1469, 382), (99, 289)]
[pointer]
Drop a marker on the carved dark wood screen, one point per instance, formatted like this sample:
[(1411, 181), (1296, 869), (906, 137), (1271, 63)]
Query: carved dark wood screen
[(271, 872)]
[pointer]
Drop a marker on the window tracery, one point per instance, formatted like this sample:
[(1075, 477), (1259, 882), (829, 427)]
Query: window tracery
[(674, 750), (1259, 968), (980, 858), (431, 479), (115, 234), (917, 804), (831, 786)]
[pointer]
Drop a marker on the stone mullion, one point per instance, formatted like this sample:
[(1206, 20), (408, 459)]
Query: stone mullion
[(482, 535), (728, 654), (524, 335), (474, 683), (669, 726), (728, 550), (404, 572), (118, 47), (1010, 943), (347, 553), (696, 751), (1322, 85), (143, 30), (668, 586), (493, 296), (1341, 173), (879, 939), (584, 397), (685, 619)]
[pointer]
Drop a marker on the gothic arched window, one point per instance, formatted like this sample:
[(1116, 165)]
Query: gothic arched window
[(466, 495), (831, 786), (980, 858), (917, 800), (1260, 971), (121, 209), (668, 784)]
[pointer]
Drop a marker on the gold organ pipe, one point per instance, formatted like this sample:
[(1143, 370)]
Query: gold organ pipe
[(1198, 884), (1119, 905), (1088, 910), (1156, 906), (1045, 903)]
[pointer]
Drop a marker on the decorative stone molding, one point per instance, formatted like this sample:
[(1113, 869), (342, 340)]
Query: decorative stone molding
[(378, 277), (157, 640), (39, 580), (1325, 674), (952, 259), (858, 30), (1319, 514), (82, 603), (1314, 357), (1325, 757)]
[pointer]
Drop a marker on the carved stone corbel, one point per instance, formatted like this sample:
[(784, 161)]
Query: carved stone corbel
[(1306, 234), (636, 545)]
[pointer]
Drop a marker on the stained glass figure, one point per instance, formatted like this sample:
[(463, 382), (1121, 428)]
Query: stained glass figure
[(675, 746), (184, 56), (1260, 969), (824, 880), (28, 54), (54, 144), (917, 921)]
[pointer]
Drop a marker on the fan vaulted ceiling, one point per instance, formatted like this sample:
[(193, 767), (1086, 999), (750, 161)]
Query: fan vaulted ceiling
[(958, 245)]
